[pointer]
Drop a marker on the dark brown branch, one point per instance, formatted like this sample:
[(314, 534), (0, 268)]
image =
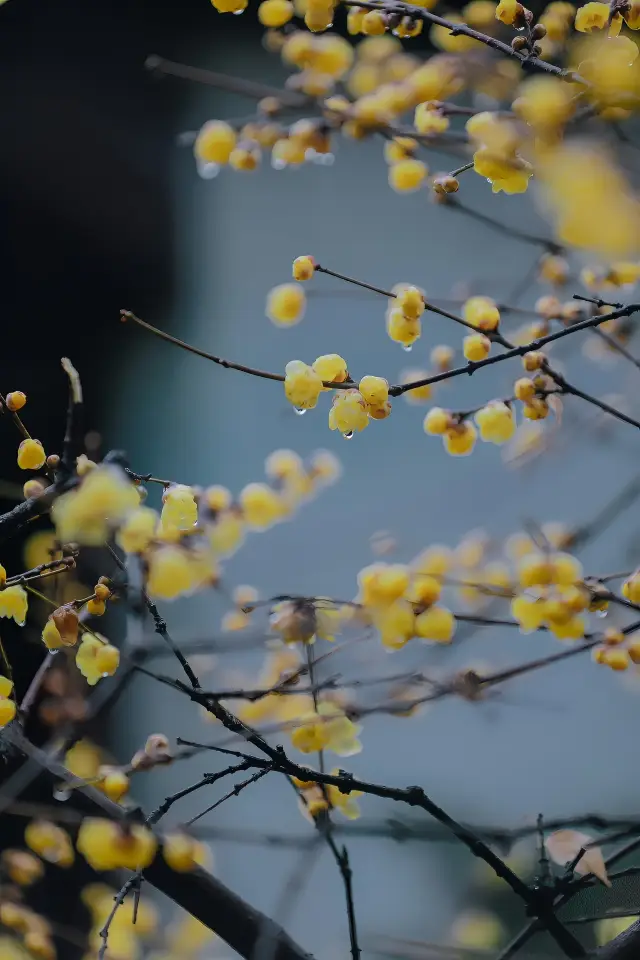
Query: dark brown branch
[(504, 228), (247, 88), (22, 514), (229, 364), (72, 443), (469, 369)]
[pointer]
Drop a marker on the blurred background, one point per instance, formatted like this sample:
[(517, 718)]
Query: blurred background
[(102, 209)]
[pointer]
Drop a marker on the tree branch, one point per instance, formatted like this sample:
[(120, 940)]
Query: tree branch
[(203, 896)]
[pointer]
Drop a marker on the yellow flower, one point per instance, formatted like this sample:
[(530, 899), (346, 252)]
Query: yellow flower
[(50, 842), (179, 508), (348, 412), (594, 16), (327, 729), (481, 312), (346, 803), (14, 603), (609, 223), (83, 759), (138, 530), (7, 710), (260, 505), (396, 624), (286, 304), (107, 846), (215, 141), (496, 422), (170, 573), (183, 853), (86, 659), (31, 455), (302, 385), (226, 534), (509, 12), (407, 175), (101, 502), (40, 548), (545, 102), (511, 174), (609, 65)]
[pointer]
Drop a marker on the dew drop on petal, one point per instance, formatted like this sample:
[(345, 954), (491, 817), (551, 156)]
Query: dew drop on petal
[(61, 794), (207, 170), (300, 411), (601, 613), (277, 163), (347, 436), (407, 347)]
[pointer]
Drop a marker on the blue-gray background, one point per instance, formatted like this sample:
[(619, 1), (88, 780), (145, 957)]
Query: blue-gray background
[(560, 741)]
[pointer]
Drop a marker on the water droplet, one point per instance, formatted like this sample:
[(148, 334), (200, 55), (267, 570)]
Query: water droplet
[(52, 653), (238, 13), (277, 163), (300, 411), (61, 794), (407, 347), (105, 675), (601, 613), (348, 435), (207, 171)]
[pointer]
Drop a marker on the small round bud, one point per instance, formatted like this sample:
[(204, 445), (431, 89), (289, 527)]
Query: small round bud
[(16, 400), (533, 360), (157, 748), (539, 31), (53, 461), (524, 389), (537, 49), (613, 637), (102, 592), (518, 43), (269, 105), (96, 608), (33, 488), (444, 183)]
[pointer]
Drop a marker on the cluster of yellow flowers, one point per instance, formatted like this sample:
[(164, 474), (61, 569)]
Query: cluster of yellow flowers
[(181, 547), (401, 602), (553, 595), (384, 83), (351, 409), (495, 422)]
